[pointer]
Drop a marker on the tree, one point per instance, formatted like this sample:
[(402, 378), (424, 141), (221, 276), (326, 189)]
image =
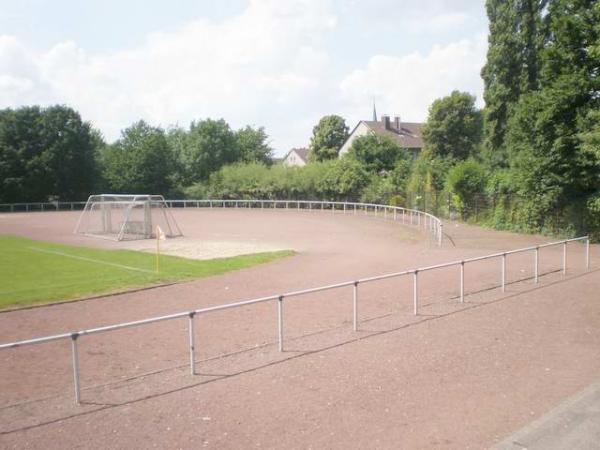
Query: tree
[(253, 146), (454, 126), (511, 69), (209, 145), (344, 179), (46, 154), (140, 162), (377, 153), (328, 137), (551, 129)]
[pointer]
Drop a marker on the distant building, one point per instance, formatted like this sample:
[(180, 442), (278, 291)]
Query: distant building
[(296, 157), (407, 134)]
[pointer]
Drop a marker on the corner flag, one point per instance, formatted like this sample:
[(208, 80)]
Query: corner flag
[(160, 236)]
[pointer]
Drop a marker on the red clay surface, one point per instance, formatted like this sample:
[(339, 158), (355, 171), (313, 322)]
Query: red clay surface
[(456, 376)]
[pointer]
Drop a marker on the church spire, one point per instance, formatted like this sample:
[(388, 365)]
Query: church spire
[(374, 112)]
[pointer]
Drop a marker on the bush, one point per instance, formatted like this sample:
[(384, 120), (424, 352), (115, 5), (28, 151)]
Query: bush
[(464, 181)]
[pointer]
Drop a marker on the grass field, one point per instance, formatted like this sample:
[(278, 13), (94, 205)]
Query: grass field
[(34, 272)]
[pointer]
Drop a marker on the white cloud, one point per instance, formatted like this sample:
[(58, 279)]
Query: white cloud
[(408, 84), (267, 66), (269, 54)]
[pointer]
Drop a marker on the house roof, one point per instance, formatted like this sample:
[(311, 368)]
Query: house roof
[(409, 135), (301, 152)]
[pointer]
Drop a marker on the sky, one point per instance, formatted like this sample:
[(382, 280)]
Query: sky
[(279, 64)]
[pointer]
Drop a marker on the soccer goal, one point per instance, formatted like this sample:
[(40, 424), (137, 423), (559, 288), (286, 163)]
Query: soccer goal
[(126, 217)]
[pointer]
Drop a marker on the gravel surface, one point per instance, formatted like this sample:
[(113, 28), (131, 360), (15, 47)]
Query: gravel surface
[(456, 376)]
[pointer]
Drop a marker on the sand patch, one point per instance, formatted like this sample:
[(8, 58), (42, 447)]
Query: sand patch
[(205, 249)]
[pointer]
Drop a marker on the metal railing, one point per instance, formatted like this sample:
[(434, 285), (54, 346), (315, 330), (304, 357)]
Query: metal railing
[(41, 206), (280, 298), (424, 221)]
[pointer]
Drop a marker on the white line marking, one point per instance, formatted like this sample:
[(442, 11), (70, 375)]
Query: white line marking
[(83, 258)]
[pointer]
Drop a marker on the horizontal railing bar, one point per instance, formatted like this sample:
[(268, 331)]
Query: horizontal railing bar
[(318, 289), (386, 276), (236, 304)]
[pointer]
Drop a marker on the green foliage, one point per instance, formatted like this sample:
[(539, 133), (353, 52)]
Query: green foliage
[(139, 162), (328, 137), (542, 112), (343, 179), (380, 190), (208, 146), (377, 153), (511, 69), (464, 181), (454, 126), (253, 146), (332, 180), (46, 154), (42, 272), (428, 174)]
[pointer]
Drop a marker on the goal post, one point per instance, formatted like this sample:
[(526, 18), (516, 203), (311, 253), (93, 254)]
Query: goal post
[(126, 217)]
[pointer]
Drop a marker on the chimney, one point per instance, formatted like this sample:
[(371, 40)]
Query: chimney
[(385, 119), (398, 123)]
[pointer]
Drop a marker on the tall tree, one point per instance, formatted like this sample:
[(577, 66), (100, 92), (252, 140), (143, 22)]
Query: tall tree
[(453, 128), (550, 132), (511, 69), (328, 137), (140, 162), (46, 154)]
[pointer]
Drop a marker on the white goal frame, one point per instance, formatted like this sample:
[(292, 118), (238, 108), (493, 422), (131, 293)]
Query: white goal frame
[(121, 217)]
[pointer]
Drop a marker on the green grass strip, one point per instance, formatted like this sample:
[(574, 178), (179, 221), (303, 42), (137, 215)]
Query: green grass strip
[(35, 272)]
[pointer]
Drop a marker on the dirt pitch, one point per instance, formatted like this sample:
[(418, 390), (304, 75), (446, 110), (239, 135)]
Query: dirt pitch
[(456, 376)]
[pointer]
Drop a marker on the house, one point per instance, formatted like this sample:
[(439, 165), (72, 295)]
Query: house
[(296, 157), (407, 134)]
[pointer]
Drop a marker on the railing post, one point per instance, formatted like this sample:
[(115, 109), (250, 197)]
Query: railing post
[(564, 259), (587, 253), (385, 212), (402, 216), (503, 272), (355, 307), (462, 281), (280, 321), (75, 355), (355, 209), (441, 234), (416, 292), (536, 265), (192, 342), (395, 213), (344, 207)]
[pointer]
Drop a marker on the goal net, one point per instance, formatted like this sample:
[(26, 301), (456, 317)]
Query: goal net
[(126, 217)]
